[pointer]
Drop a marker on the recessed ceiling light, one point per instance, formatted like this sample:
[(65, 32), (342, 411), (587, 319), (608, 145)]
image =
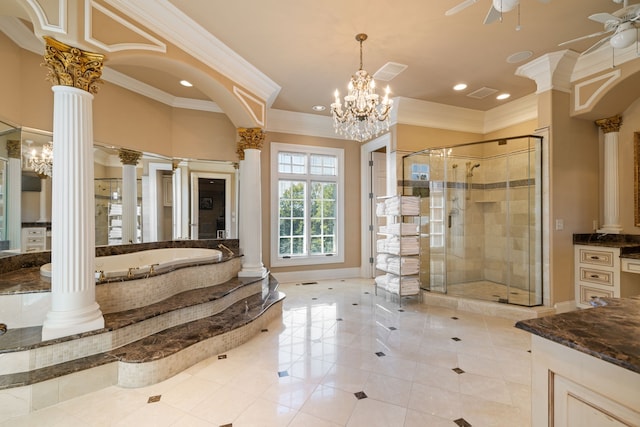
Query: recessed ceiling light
[(318, 108), (503, 96), (460, 86), (185, 83)]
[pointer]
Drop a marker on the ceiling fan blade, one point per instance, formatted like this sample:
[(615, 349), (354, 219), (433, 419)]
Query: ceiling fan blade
[(603, 18), (465, 4), (492, 16), (597, 45), (584, 37)]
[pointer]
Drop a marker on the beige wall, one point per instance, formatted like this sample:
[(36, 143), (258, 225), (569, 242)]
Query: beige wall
[(574, 182), (352, 197)]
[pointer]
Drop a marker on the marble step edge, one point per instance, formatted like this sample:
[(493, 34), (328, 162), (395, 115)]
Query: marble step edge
[(174, 339), (36, 357), (18, 401), (115, 321)]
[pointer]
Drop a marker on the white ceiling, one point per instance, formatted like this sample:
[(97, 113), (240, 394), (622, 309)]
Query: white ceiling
[(309, 48)]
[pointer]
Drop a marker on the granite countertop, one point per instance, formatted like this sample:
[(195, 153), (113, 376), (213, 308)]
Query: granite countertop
[(610, 333), (629, 244)]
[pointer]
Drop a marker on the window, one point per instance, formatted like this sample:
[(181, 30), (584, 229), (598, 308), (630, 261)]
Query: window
[(307, 205)]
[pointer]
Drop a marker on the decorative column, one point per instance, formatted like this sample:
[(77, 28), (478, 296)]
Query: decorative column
[(75, 75), (129, 159), (611, 129), (14, 194), (250, 224)]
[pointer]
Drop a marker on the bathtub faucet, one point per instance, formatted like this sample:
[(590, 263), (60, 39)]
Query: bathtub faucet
[(130, 273), (3, 328), (101, 277), (152, 269), (221, 246)]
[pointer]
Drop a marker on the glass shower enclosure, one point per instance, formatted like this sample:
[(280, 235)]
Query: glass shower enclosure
[(482, 204)]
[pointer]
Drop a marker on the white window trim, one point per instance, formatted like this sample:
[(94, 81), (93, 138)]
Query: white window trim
[(276, 261)]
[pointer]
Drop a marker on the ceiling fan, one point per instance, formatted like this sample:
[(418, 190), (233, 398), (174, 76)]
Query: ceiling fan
[(498, 7), (623, 23)]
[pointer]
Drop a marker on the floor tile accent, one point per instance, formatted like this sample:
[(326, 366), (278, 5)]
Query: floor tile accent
[(456, 339), (458, 371), (283, 374), (360, 395), (461, 422), (380, 354), (154, 399)]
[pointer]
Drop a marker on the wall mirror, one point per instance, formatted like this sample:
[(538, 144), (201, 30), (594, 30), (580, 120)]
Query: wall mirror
[(169, 194)]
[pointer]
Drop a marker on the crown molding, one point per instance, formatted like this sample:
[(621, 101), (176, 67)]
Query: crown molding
[(170, 23), (430, 114), (301, 124), (21, 35), (551, 71), (512, 113)]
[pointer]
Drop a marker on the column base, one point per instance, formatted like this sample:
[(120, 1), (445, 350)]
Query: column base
[(253, 272), (610, 229), (64, 323)]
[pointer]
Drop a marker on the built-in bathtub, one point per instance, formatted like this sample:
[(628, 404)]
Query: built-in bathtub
[(147, 262)]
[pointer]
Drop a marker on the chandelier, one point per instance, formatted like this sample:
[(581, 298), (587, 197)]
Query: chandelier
[(363, 115), (42, 164)]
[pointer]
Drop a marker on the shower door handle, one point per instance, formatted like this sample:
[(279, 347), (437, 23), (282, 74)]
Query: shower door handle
[(449, 220)]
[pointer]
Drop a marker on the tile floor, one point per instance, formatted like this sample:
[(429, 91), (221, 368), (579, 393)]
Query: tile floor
[(340, 357)]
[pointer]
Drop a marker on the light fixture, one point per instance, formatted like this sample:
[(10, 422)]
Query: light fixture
[(625, 36), (43, 164), (460, 86), (186, 83), (364, 116), (318, 108), (503, 96)]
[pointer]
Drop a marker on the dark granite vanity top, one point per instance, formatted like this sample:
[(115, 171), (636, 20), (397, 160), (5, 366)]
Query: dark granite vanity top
[(629, 244), (610, 333)]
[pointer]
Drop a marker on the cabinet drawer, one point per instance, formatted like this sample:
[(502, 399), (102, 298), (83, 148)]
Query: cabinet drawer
[(599, 277), (596, 257), (586, 293), (631, 265)]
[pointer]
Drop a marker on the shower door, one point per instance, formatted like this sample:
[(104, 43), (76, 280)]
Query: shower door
[(485, 219)]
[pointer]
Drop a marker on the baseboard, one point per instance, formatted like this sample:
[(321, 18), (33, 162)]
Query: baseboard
[(306, 275), (565, 306)]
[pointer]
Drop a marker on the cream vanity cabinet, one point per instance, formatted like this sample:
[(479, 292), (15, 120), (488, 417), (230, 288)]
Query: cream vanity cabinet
[(34, 239), (603, 272)]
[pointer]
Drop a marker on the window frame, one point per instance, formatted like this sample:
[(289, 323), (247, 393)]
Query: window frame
[(276, 176)]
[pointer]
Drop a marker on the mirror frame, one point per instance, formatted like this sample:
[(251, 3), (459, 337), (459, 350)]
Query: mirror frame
[(636, 177)]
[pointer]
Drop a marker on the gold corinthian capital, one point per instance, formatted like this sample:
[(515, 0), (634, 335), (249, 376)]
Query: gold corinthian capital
[(249, 138), (129, 157), (611, 124), (70, 66), (14, 149)]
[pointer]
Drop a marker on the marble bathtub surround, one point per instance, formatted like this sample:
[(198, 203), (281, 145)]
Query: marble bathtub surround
[(609, 332), (33, 259)]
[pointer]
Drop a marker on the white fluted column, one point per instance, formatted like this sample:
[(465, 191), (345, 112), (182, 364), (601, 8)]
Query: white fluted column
[(250, 224), (129, 159), (14, 193), (611, 129), (73, 305)]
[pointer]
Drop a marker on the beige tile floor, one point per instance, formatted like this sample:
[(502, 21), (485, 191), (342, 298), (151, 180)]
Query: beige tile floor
[(306, 369)]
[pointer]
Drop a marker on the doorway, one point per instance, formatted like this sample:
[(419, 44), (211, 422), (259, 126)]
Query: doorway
[(210, 206)]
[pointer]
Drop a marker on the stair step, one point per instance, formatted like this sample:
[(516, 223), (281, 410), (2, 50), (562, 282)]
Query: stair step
[(167, 342)]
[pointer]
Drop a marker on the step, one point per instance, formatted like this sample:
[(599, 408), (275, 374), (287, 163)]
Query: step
[(148, 359)]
